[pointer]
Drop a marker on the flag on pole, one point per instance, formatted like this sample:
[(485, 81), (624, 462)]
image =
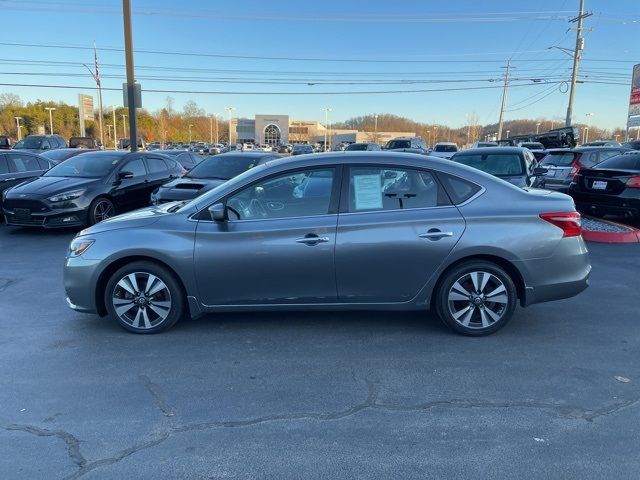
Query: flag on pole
[(95, 57)]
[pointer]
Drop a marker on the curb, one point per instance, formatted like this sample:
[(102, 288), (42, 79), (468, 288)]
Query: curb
[(631, 236)]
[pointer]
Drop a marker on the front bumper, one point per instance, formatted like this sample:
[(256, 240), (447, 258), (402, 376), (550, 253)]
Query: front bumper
[(58, 218), (80, 280)]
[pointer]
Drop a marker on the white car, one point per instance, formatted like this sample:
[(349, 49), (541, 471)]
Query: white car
[(266, 148), (444, 150)]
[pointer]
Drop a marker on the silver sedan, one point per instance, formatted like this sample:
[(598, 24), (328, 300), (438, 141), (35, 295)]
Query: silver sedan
[(343, 230)]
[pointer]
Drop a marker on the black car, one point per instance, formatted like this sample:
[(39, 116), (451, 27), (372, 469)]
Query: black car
[(633, 144), (516, 165), (407, 145), (208, 174), (88, 188), (5, 143), (17, 167), (61, 154), (187, 159), (610, 188), (301, 149), (562, 164), (40, 143)]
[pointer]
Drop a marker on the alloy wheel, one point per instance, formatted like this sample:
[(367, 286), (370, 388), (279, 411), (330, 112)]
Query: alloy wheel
[(102, 211), (141, 300), (478, 300)]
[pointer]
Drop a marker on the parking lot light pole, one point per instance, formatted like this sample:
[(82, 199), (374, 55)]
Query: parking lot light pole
[(435, 135), (229, 110), (326, 125), (190, 125), (131, 89), (50, 110), (508, 133), (376, 128), (217, 139), (109, 130), (586, 130), (210, 128), (124, 123), (19, 127), (537, 128), (115, 128)]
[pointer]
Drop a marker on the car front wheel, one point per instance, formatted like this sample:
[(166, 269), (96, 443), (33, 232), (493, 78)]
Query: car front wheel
[(144, 298), (476, 298)]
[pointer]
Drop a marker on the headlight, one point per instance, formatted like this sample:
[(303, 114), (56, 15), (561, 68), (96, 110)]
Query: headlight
[(79, 246), (66, 196)]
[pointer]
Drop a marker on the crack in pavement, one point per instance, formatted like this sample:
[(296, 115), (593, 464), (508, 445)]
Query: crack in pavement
[(371, 402), (73, 444)]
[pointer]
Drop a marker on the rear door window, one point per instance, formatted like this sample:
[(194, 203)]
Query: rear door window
[(156, 165), (4, 167)]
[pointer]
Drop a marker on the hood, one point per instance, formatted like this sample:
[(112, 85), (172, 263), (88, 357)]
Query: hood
[(194, 184), (47, 186), (135, 219)]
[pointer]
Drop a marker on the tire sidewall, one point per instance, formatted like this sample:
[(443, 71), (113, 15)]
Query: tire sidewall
[(177, 295), (442, 294), (91, 220)]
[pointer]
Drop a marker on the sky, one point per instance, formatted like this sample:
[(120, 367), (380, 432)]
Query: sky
[(300, 57)]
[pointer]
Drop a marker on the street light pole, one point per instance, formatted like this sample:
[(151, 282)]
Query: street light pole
[(217, 139), (376, 128), (190, 125), (429, 137), (210, 128), (435, 135), (537, 128), (50, 110), (115, 128), (326, 125), (124, 123), (19, 127), (229, 110), (131, 88), (586, 130)]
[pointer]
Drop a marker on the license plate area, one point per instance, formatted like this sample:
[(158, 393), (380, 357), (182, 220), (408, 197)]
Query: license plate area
[(599, 185), (22, 213)]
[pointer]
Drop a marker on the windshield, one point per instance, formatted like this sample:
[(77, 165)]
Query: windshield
[(559, 159), (391, 144), (29, 142), (627, 161), (445, 148), (500, 165), (87, 165), (356, 146), (223, 167)]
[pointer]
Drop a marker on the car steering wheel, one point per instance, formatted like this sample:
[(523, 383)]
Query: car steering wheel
[(257, 209)]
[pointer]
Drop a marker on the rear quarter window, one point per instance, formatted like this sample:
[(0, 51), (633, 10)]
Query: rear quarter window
[(559, 159), (458, 189)]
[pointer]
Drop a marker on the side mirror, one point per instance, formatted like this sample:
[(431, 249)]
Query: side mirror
[(124, 174), (217, 212), (540, 171)]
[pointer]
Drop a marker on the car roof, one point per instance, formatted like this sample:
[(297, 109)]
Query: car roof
[(250, 153), (493, 150), (446, 143)]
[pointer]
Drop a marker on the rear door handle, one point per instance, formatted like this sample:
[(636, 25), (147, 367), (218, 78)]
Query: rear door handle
[(312, 240), (435, 235)]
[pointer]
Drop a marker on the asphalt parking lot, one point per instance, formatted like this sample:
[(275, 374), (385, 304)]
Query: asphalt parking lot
[(317, 395)]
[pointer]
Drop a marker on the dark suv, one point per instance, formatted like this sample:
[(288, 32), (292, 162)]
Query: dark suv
[(39, 143), (407, 144)]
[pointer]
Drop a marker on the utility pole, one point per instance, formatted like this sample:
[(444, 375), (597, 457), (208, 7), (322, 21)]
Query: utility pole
[(505, 92), (577, 55), (131, 88)]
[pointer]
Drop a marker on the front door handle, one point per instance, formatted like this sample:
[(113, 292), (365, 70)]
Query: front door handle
[(435, 234), (312, 240)]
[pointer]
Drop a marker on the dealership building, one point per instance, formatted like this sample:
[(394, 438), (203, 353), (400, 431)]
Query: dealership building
[(279, 129)]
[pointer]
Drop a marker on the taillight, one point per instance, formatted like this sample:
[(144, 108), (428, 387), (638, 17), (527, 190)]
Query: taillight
[(569, 222), (634, 182)]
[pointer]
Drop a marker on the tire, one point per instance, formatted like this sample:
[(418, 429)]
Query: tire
[(467, 308), (100, 209), (148, 312)]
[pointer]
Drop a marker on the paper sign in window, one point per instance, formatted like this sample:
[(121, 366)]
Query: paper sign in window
[(368, 192)]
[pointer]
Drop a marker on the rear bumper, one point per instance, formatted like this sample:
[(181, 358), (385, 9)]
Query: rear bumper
[(600, 204), (563, 275)]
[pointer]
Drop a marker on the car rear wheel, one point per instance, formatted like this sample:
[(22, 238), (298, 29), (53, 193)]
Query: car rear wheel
[(144, 298), (476, 298), (101, 209)]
